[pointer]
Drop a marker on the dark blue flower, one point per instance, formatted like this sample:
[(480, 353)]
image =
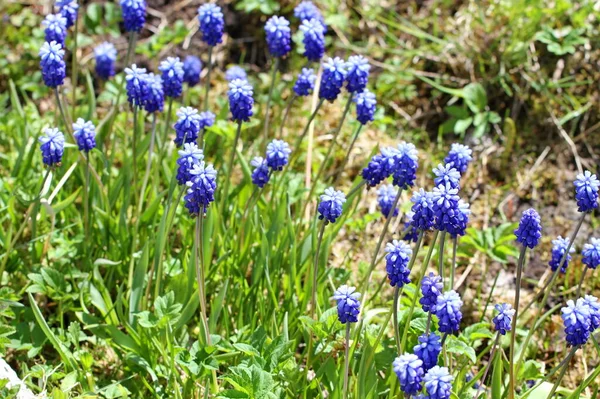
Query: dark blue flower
[(187, 126), (396, 262), (469, 378), (172, 76), (592, 302), (202, 186), (212, 24), (447, 174), (332, 80), (428, 349), (240, 100), (586, 191), (380, 167), (53, 66), (279, 36), (406, 163), (591, 253), (106, 55), (56, 28), (52, 146), (438, 383), (206, 119), (448, 312), (68, 9), (559, 247), (155, 97), (85, 134), (577, 319), (278, 154), (409, 370), (189, 156), (385, 199), (445, 206), (358, 73), (459, 223), (431, 288), (502, 321), (348, 304), (235, 72), (313, 40), (366, 104), (459, 156), (191, 70), (134, 14), (411, 233), (330, 206), (423, 215), (305, 83), (137, 85), (260, 174), (529, 231), (306, 10)]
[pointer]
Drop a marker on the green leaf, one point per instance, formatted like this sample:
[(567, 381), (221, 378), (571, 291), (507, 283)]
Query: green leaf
[(455, 345), (475, 97)]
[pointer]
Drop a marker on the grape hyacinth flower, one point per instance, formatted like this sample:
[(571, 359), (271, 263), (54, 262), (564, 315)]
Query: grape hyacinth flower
[(306, 10), (85, 134), (187, 126), (438, 383), (406, 163), (330, 206), (591, 253), (278, 154), (379, 168), (577, 320), (559, 247), (191, 70), (278, 35), (396, 262), (423, 215), (358, 73), (240, 100), (409, 370), (314, 39), (586, 191), (68, 9), (385, 199), (189, 156), (235, 72), (212, 24), (56, 28), (53, 66), (460, 221), (529, 231), (447, 309), (365, 106), (305, 83), (206, 119), (459, 156), (137, 85), (52, 146), (428, 349), (172, 76), (447, 174), (592, 302), (445, 206), (502, 321), (332, 80), (260, 174), (202, 186), (431, 288), (134, 14), (348, 304), (106, 55), (155, 97), (411, 233)]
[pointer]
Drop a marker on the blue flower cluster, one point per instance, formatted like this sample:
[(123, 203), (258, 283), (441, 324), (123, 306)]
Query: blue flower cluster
[(306, 10), (459, 156), (529, 231), (134, 14), (201, 191), (154, 100), (278, 154), (591, 253), (447, 309), (447, 174), (445, 206), (330, 206), (366, 104), (502, 321), (586, 191), (559, 248), (379, 168), (348, 304), (105, 55), (189, 156), (332, 80), (212, 24), (396, 262), (172, 76), (52, 146), (385, 199), (52, 63), (409, 370), (358, 73), (428, 350), (136, 86), (406, 162), (56, 28), (235, 72), (241, 100), (260, 174), (187, 126), (85, 134), (191, 70), (314, 39), (577, 319), (594, 305), (279, 36), (411, 234), (68, 9), (438, 383), (431, 288), (423, 214), (305, 83)]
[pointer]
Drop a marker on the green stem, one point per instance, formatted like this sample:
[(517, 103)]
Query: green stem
[(207, 82), (562, 372), (513, 334), (86, 199), (441, 256), (225, 191), (286, 114), (300, 138), (583, 273), (487, 367), (395, 313), (148, 167), (268, 106), (452, 270), (74, 66), (166, 127), (347, 157), (134, 145), (313, 297), (346, 361)]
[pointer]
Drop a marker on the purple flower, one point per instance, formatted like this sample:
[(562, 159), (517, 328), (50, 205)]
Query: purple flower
[(460, 220), (305, 83), (56, 28), (438, 383), (68, 9), (134, 14), (428, 349), (332, 80), (529, 231), (431, 288), (279, 36), (106, 55), (202, 186), (187, 126), (502, 321), (409, 370), (240, 100), (396, 262), (448, 312), (591, 253), (52, 146), (447, 174), (172, 76), (137, 85), (306, 10), (366, 104), (314, 39), (191, 70), (379, 168), (423, 215), (85, 134), (358, 73), (212, 24), (189, 156), (406, 163), (411, 233), (445, 206), (348, 304), (385, 199), (278, 154), (577, 319), (586, 191), (459, 156), (330, 206), (260, 174), (592, 302), (155, 97), (235, 72), (559, 247), (53, 66)]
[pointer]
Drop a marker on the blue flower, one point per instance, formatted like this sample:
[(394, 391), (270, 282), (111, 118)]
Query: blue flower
[(85, 133), (366, 104), (431, 288), (137, 85), (502, 321), (411, 233), (438, 383), (348, 304), (586, 191), (260, 174), (447, 309), (592, 302), (529, 231), (278, 154), (379, 168), (332, 80), (53, 66), (134, 14), (155, 97), (172, 76), (358, 73), (447, 174), (191, 70), (240, 100), (235, 72), (330, 206), (559, 247), (106, 55), (422, 208), (68, 9), (56, 28), (591, 253), (189, 156), (385, 199), (306, 10), (52, 146), (212, 24), (305, 83), (406, 163), (409, 370), (459, 223), (428, 349), (577, 319), (445, 206), (206, 119), (396, 262), (313, 40), (459, 156), (279, 36), (202, 186), (187, 126)]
